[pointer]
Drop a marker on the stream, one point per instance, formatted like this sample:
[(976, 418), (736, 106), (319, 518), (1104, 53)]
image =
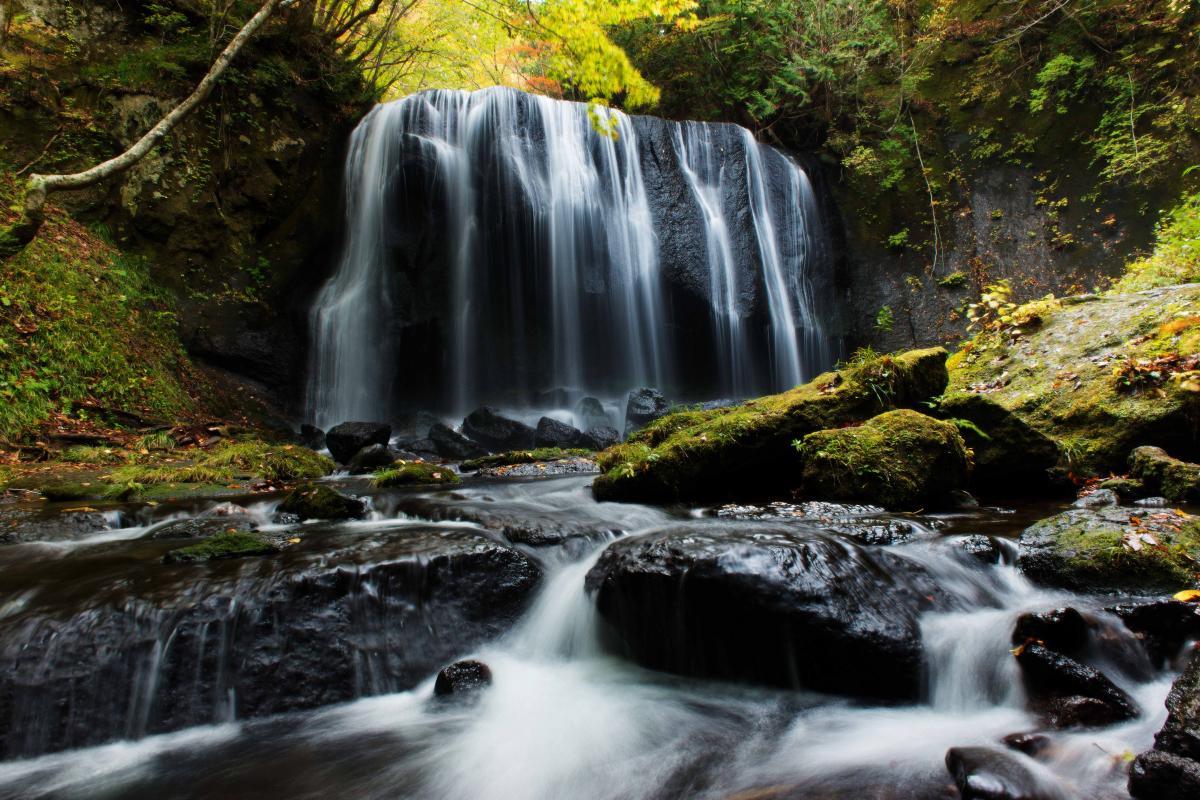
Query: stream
[(311, 673)]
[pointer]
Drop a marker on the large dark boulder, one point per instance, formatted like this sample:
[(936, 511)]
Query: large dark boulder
[(371, 458), (767, 604), (496, 432), (1055, 681), (348, 438), (462, 678), (1062, 629), (312, 437), (343, 614), (602, 437), (902, 460), (1171, 771), (642, 406), (552, 433), (989, 773), (1164, 626), (451, 444)]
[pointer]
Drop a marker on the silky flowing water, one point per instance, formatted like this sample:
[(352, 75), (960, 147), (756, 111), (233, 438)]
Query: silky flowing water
[(564, 717)]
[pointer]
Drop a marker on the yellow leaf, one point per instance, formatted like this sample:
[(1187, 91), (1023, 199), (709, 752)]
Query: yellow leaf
[(294, 540), (1016, 651), (1187, 595)]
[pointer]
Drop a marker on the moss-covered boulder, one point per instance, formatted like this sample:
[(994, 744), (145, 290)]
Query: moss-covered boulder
[(1098, 375), (315, 501), (1114, 548), (902, 460), (1009, 454), (231, 544), (513, 457), (407, 473), (1162, 475), (746, 450)]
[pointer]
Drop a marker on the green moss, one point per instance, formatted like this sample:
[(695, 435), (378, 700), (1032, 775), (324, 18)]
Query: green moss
[(1100, 555), (954, 280), (232, 544), (747, 449), (523, 457), (275, 462), (316, 501), (900, 460), (83, 454), (405, 473), (1175, 480)]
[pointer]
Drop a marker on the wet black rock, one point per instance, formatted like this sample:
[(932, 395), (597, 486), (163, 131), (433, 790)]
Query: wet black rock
[(1155, 775), (602, 437), (1029, 743), (1054, 680), (462, 678), (348, 438), (864, 523), (1062, 629), (18, 525), (316, 501), (496, 432), (1099, 498), (591, 414), (552, 433), (642, 406), (767, 605), (312, 437), (1164, 626), (414, 449), (1171, 771), (985, 549), (198, 528), (344, 614), (371, 458), (451, 444), (987, 773)]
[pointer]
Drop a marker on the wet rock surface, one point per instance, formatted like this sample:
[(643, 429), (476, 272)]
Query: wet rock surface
[(1171, 771), (552, 433), (1069, 692), (127, 646), (23, 525), (1176, 480), (1164, 626), (987, 773), (1063, 629), (643, 406), (865, 523), (767, 605), (462, 678), (348, 438), (370, 458), (497, 433), (451, 444), (317, 501)]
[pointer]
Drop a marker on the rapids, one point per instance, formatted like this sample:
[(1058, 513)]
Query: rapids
[(565, 716)]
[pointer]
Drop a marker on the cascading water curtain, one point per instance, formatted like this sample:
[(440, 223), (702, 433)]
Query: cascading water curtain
[(571, 258)]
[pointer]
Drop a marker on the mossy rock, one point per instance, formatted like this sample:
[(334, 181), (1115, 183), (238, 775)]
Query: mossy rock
[(1169, 477), (1125, 488), (901, 460), (523, 457), (315, 501), (1114, 548), (746, 450), (1061, 377), (1009, 454), (407, 473), (231, 544)]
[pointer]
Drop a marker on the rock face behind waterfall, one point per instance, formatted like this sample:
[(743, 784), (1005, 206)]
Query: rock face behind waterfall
[(777, 606), (339, 616), (686, 256)]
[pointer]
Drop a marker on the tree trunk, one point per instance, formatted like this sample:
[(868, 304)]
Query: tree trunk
[(15, 238)]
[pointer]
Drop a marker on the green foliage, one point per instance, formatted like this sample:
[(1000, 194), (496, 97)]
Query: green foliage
[(954, 280), (884, 319), (83, 329), (1176, 256), (1061, 80), (231, 544), (407, 473), (524, 457)]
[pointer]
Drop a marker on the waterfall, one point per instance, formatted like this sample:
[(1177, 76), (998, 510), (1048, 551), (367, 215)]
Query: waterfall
[(498, 245)]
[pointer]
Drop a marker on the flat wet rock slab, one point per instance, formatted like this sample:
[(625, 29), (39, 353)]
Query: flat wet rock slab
[(112, 643)]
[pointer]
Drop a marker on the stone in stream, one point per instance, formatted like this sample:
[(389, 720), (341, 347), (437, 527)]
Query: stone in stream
[(311, 437), (462, 678), (988, 773), (642, 406), (348, 613), (768, 605), (316, 501), (451, 444), (1164, 626), (227, 544), (602, 437), (1062, 629), (348, 438), (1069, 692), (552, 433), (1171, 771), (1176, 480), (371, 458), (496, 432), (1029, 743), (591, 414), (19, 525)]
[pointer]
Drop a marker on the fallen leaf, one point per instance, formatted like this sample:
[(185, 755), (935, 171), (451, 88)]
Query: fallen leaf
[(1187, 595)]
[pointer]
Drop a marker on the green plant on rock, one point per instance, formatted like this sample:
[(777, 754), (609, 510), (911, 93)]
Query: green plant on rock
[(407, 473), (885, 320)]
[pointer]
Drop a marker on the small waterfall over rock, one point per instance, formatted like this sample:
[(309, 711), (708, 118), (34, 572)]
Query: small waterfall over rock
[(498, 246)]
